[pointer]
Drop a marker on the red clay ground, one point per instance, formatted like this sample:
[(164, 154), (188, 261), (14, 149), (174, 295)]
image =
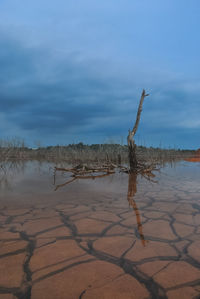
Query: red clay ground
[(91, 245)]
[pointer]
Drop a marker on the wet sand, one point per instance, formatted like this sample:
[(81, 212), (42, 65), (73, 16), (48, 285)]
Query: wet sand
[(116, 237)]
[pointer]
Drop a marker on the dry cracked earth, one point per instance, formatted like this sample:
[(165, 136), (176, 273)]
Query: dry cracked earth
[(103, 245)]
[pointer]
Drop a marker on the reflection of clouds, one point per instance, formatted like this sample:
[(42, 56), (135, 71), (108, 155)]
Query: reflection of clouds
[(190, 186), (18, 176), (183, 176)]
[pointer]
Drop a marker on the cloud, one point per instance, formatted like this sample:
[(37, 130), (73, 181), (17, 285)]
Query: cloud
[(49, 98), (190, 124), (66, 95)]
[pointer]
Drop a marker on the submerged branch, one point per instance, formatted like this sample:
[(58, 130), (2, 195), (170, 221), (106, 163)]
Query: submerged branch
[(85, 172)]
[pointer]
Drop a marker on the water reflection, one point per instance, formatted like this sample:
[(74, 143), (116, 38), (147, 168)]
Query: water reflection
[(8, 171), (90, 227), (132, 190), (30, 177)]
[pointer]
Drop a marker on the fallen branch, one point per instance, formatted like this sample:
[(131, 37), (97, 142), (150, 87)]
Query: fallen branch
[(84, 172), (83, 169)]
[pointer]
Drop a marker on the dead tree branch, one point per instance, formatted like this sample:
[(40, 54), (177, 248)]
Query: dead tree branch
[(85, 172), (139, 112), (130, 139)]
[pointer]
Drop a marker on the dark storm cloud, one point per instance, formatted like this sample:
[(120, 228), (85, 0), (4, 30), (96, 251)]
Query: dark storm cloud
[(43, 95), (51, 100), (59, 118), (15, 60)]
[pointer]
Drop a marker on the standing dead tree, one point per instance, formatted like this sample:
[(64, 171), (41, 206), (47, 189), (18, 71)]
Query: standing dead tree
[(84, 172), (130, 138)]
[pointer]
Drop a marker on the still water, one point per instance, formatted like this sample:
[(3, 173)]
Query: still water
[(120, 236)]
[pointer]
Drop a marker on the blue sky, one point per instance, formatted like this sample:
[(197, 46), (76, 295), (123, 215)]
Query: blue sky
[(73, 71)]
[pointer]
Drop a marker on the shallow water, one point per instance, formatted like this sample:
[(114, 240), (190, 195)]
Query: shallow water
[(114, 237)]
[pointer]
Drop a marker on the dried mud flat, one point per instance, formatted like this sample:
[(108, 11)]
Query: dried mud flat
[(90, 244)]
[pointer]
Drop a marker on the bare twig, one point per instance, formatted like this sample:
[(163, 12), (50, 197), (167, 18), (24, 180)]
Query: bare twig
[(139, 112)]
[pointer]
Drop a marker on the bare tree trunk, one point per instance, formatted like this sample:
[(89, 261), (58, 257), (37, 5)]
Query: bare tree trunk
[(130, 138)]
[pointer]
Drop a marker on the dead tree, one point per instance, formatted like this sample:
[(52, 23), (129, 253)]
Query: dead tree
[(130, 138)]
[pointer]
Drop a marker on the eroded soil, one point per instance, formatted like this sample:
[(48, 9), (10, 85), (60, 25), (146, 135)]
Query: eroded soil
[(137, 241)]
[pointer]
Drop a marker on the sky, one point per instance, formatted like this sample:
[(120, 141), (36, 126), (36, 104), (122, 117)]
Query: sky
[(73, 71)]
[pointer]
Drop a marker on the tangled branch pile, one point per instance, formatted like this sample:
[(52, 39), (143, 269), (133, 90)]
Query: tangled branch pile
[(83, 171)]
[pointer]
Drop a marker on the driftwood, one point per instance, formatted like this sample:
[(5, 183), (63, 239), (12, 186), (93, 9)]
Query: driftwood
[(86, 172)]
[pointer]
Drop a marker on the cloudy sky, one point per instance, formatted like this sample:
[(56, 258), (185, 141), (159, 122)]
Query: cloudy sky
[(74, 71)]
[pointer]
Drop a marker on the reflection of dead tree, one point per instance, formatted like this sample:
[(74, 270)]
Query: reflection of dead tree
[(85, 172), (132, 189), (64, 184), (134, 166), (8, 170)]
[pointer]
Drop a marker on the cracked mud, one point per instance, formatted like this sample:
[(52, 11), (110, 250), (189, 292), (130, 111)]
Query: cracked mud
[(121, 237)]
